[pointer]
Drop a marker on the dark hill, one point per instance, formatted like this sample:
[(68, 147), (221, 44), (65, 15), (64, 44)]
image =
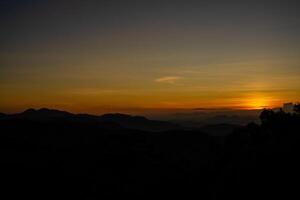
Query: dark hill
[(44, 114), (138, 122), (114, 119), (219, 129), (85, 160), (2, 115)]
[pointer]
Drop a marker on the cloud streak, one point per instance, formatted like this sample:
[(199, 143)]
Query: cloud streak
[(168, 79)]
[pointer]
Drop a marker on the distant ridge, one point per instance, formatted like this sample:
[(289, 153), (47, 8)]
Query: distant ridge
[(119, 119), (45, 113), (2, 115), (138, 122)]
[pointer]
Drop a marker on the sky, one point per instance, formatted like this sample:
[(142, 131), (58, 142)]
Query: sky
[(123, 56)]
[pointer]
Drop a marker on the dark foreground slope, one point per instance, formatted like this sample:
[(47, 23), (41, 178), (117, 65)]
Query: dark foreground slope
[(90, 160)]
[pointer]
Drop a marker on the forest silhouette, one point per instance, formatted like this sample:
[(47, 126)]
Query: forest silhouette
[(61, 155)]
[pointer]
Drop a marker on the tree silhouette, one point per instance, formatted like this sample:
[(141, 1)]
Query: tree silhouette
[(297, 108)]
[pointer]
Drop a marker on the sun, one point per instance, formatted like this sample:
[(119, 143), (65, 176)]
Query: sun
[(257, 103)]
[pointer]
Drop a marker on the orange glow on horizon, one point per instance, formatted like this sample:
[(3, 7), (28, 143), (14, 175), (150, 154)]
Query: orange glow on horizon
[(258, 102)]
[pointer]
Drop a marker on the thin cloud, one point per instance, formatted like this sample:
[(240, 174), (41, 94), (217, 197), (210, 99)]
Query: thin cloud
[(168, 79)]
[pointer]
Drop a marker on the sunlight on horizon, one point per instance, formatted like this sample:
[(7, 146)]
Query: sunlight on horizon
[(117, 58), (258, 102)]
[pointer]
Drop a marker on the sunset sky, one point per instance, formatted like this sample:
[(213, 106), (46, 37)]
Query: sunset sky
[(120, 56)]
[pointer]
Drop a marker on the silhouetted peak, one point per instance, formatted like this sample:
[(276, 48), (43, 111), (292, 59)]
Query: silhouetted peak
[(45, 113), (47, 110), (2, 115), (110, 120), (29, 111)]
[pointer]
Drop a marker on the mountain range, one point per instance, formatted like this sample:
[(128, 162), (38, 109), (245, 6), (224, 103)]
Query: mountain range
[(111, 120)]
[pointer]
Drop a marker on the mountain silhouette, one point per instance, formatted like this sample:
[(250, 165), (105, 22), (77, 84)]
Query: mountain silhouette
[(52, 153), (2, 115), (44, 114), (114, 119), (138, 122)]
